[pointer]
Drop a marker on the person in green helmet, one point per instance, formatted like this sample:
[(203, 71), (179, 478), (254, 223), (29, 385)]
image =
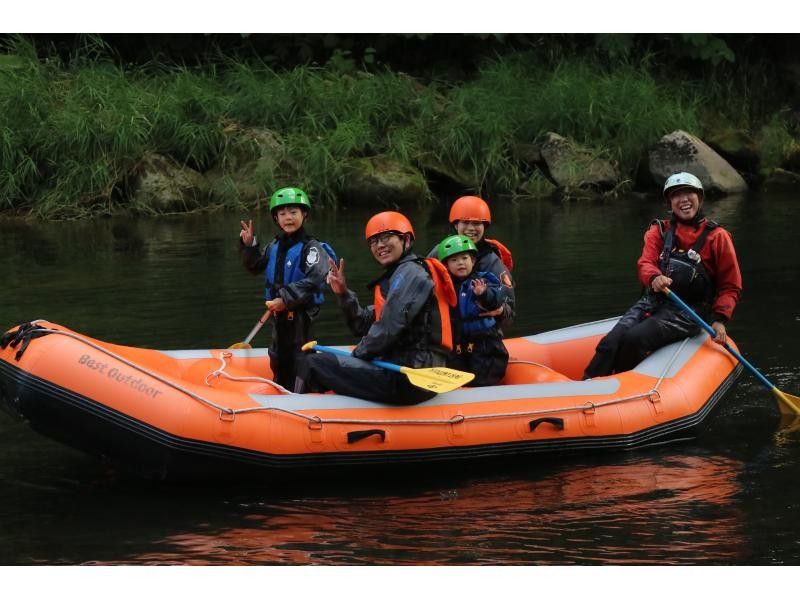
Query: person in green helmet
[(295, 266), (470, 216), (477, 338)]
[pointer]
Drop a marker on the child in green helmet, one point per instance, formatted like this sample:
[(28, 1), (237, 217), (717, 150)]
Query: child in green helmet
[(295, 266), (477, 339)]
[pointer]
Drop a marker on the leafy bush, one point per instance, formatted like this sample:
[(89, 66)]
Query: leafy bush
[(73, 129)]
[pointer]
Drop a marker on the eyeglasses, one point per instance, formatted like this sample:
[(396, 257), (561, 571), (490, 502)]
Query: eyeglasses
[(382, 238)]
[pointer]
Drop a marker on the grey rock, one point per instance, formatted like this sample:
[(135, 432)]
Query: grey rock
[(250, 162), (680, 151), (160, 184), (382, 181), (572, 166)]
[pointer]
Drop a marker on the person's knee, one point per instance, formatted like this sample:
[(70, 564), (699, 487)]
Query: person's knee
[(654, 334), (307, 372)]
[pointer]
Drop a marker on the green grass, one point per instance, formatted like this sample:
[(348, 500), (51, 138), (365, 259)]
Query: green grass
[(72, 131)]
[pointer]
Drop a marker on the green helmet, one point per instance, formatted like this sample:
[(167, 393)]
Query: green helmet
[(289, 196), (455, 244)]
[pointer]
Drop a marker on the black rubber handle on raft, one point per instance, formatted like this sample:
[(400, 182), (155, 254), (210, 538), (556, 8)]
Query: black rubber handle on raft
[(362, 434), (556, 421), (24, 333)]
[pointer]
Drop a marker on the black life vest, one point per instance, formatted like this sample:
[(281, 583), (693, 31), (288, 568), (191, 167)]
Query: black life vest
[(690, 279), (435, 323)]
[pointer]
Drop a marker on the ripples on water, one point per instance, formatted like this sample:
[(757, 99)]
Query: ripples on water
[(665, 508), (652, 511), (728, 497)]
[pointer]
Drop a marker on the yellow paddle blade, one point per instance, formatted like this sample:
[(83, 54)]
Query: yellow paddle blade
[(788, 404), (437, 379), (240, 346)]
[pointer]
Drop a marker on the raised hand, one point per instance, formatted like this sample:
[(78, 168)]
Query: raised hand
[(478, 286), (336, 278), (247, 233)]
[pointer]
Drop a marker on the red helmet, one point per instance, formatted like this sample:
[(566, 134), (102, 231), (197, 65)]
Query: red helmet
[(388, 221), (470, 207)]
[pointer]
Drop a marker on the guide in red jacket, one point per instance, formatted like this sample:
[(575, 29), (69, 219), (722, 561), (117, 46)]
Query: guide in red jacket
[(689, 254)]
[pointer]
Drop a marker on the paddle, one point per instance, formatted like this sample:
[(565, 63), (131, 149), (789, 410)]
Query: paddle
[(437, 379), (788, 403), (245, 344)]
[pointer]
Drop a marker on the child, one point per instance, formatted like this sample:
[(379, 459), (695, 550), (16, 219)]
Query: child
[(470, 216), (295, 266), (477, 340)]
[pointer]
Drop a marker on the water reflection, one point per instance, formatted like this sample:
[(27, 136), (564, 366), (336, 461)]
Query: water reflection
[(665, 510), (730, 496)]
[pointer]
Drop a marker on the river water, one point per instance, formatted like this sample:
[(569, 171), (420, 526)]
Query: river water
[(728, 497)]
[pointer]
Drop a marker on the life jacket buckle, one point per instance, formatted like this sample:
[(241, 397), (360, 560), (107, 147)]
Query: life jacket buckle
[(290, 315)]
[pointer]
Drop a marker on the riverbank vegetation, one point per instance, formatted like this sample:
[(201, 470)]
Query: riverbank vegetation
[(77, 119)]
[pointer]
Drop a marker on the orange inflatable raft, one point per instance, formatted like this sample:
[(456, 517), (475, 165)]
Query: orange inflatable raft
[(195, 412)]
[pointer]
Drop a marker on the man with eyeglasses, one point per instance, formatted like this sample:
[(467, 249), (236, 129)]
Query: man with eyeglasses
[(408, 323)]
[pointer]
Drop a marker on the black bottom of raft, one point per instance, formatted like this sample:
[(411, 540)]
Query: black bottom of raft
[(93, 428)]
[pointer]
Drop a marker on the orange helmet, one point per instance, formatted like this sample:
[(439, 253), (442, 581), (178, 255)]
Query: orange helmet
[(388, 221), (470, 207)]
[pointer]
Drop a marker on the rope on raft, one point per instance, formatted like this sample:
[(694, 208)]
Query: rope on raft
[(229, 414)]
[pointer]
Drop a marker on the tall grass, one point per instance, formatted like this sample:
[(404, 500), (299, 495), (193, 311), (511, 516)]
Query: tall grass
[(72, 131), (619, 112)]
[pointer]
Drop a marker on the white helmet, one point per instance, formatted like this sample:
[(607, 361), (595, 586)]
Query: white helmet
[(682, 179)]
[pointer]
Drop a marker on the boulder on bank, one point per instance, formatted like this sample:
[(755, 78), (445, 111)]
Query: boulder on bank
[(160, 184), (249, 163), (381, 181), (448, 175), (680, 151), (571, 166)]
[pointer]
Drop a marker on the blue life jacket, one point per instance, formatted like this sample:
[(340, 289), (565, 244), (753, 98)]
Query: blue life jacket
[(291, 268), (471, 321)]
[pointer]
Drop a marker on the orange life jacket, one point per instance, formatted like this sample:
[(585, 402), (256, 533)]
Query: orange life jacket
[(503, 251), (443, 290)]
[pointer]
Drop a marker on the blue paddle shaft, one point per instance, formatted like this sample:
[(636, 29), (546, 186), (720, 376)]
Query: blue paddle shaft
[(691, 313), (381, 364), (713, 334)]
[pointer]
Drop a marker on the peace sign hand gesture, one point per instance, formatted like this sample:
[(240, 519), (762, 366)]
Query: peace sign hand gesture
[(336, 278), (247, 233)]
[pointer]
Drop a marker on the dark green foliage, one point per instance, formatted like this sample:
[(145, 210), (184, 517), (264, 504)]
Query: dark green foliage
[(74, 125)]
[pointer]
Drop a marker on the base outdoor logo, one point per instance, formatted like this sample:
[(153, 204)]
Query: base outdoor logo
[(117, 375)]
